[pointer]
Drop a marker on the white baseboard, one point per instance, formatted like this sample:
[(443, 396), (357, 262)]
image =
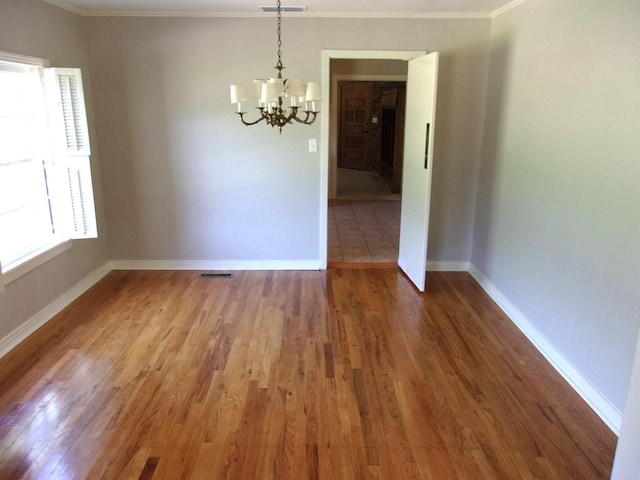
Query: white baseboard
[(447, 266), (215, 265), (48, 312), (600, 405), (436, 266)]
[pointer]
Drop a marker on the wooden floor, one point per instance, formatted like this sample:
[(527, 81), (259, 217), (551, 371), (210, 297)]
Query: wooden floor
[(340, 374)]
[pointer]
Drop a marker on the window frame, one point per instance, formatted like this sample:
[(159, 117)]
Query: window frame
[(61, 162)]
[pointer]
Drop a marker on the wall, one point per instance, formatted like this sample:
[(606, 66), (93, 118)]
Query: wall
[(344, 66), (34, 28), (186, 182), (557, 227)]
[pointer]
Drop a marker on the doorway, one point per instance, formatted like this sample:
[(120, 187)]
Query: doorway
[(328, 166), (364, 170), (370, 133), (422, 80), (364, 215)]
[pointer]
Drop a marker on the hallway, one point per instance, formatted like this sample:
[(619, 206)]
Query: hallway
[(363, 231), (364, 221)]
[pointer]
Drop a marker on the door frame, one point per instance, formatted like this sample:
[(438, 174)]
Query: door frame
[(331, 109)]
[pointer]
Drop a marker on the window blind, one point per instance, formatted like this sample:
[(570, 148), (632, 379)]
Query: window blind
[(71, 155)]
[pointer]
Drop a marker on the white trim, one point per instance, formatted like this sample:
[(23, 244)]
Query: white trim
[(598, 403), (307, 14), (66, 6), (506, 8), (437, 266), (47, 313), (327, 55), (364, 15), (9, 57), (215, 265), (259, 13), (35, 259)]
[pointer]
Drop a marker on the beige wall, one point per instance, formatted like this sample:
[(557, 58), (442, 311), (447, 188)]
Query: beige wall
[(557, 223), (35, 28), (184, 180), (342, 66)]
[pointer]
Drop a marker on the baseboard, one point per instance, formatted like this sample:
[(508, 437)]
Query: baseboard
[(598, 403), (447, 266), (215, 265), (435, 266), (48, 312)]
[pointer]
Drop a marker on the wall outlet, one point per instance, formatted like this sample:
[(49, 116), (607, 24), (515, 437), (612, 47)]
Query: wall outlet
[(313, 145)]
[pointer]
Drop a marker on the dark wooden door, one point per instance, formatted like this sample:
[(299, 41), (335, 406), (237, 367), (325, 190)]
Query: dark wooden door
[(355, 114)]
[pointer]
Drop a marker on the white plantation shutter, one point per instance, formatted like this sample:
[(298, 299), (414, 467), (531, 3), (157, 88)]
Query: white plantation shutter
[(76, 210), (73, 111), (81, 197)]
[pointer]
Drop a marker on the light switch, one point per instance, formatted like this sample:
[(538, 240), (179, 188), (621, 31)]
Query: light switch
[(313, 145), (374, 120)]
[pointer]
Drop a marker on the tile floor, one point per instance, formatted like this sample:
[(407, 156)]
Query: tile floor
[(362, 231)]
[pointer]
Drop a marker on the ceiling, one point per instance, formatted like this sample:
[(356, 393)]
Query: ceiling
[(347, 8)]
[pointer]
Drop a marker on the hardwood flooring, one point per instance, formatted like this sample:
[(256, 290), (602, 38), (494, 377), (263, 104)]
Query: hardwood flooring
[(339, 374)]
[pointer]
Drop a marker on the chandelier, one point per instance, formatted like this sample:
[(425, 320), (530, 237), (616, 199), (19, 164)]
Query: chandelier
[(271, 94)]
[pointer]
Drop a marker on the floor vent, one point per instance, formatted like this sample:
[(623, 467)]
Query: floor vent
[(216, 275)]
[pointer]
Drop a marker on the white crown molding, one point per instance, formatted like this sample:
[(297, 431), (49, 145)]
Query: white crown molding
[(259, 14), (65, 6), (48, 312), (506, 8), (307, 14), (364, 15), (598, 403)]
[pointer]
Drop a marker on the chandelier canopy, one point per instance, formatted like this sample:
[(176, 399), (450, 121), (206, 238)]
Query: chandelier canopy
[(271, 94)]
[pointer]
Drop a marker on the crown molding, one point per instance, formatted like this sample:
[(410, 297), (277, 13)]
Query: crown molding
[(65, 6), (506, 8), (306, 14), (259, 14), (362, 15)]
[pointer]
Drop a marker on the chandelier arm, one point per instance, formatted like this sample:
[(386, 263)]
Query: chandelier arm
[(241, 115), (292, 116), (301, 120), (306, 120)]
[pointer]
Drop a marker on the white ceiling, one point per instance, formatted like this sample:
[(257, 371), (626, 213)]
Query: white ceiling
[(357, 8)]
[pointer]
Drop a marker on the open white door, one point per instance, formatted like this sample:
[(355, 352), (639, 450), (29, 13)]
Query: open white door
[(422, 83)]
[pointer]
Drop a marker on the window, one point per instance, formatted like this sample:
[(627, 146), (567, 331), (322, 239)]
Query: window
[(46, 195)]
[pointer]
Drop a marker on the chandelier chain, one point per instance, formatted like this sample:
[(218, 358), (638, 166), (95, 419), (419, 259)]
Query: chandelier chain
[(279, 64), (270, 104)]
